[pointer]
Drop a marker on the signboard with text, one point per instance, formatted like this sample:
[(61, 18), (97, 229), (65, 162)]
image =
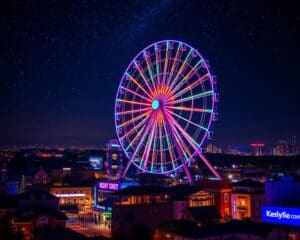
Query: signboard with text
[(281, 215)]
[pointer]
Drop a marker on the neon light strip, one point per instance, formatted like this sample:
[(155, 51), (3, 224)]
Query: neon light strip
[(186, 77), (169, 147), (182, 66), (133, 102), (144, 78), (138, 146), (210, 166), (135, 93), (70, 195), (149, 70), (177, 146), (115, 145), (174, 63), (132, 111), (191, 109), (182, 145), (161, 148), (187, 120), (166, 63), (134, 139), (184, 133), (139, 85), (134, 119), (153, 152), (157, 58), (136, 127), (191, 86), (196, 96), (148, 145)]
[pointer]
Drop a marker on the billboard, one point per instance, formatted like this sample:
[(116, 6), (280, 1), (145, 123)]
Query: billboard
[(96, 162), (281, 215)]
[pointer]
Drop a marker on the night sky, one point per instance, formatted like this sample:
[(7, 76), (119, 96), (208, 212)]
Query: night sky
[(61, 63)]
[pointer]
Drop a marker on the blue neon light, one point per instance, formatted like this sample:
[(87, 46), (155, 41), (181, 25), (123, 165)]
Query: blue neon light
[(281, 215), (155, 104)]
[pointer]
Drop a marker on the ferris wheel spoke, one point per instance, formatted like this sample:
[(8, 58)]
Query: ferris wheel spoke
[(146, 129), (182, 67), (182, 155), (187, 120), (196, 147), (135, 138), (134, 128), (166, 63), (169, 147), (157, 62), (132, 120), (189, 109), (193, 97), (133, 102), (190, 87), (135, 93), (161, 147), (184, 148), (132, 157), (153, 150), (141, 73), (140, 86), (174, 64), (150, 70), (148, 145), (183, 132), (133, 111), (191, 73)]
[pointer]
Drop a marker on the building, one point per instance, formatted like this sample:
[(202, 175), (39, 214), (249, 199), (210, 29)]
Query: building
[(114, 161), (221, 189), (282, 148), (257, 149), (152, 205), (41, 177), (32, 210), (140, 205), (80, 196), (247, 198), (213, 149), (194, 204), (103, 203)]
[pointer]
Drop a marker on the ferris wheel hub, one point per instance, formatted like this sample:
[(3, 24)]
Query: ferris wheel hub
[(155, 104)]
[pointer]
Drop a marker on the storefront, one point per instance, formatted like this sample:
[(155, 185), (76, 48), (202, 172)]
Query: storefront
[(103, 201)]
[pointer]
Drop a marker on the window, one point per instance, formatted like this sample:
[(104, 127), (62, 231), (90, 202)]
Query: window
[(226, 197)]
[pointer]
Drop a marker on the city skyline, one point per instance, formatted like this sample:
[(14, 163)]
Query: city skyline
[(62, 64)]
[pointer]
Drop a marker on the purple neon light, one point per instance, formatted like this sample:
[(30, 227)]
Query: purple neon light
[(166, 137)]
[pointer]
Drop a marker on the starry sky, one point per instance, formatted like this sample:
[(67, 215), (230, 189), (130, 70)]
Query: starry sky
[(61, 63)]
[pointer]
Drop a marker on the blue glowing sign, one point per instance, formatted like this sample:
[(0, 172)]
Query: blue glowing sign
[(281, 215)]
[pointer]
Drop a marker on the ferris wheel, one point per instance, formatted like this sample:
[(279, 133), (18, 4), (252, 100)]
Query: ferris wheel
[(165, 107)]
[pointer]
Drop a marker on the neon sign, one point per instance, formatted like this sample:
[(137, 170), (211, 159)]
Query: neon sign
[(108, 186), (281, 215)]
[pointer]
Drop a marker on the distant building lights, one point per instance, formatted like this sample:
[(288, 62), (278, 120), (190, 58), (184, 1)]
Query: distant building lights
[(70, 195)]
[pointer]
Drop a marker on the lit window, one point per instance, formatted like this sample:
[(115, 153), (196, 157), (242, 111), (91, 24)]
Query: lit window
[(226, 197)]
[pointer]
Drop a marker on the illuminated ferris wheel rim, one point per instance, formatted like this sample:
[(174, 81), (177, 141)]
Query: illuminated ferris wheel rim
[(155, 104)]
